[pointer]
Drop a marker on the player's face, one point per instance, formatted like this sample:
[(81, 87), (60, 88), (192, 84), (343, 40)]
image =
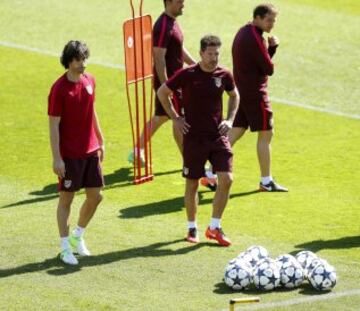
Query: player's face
[(176, 7), (210, 57), (78, 65), (268, 22)]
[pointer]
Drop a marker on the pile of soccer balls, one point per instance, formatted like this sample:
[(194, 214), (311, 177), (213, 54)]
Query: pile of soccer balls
[(255, 267)]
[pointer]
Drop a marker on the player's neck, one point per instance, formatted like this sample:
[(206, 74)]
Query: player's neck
[(73, 76), (168, 13), (206, 68)]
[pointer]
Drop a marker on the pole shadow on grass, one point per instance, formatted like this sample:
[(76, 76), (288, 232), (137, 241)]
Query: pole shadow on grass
[(118, 179), (317, 245), (54, 266)]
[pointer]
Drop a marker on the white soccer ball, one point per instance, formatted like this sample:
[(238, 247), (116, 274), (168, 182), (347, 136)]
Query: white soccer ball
[(254, 254), (305, 258), (291, 272), (313, 264), (238, 275), (323, 277), (266, 274)]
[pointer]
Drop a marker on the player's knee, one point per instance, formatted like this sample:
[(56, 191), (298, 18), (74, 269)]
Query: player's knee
[(226, 181), (96, 198)]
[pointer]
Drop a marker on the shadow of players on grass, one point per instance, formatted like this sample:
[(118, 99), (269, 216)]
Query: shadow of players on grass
[(119, 178), (317, 245), (169, 205), (54, 266)]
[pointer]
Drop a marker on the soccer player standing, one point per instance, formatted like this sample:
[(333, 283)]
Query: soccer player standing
[(77, 146), (204, 131), (252, 65), (169, 56)]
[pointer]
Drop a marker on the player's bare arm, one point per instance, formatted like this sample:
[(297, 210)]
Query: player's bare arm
[(273, 41), (180, 124), (99, 136), (160, 63), (233, 103), (188, 58), (58, 163)]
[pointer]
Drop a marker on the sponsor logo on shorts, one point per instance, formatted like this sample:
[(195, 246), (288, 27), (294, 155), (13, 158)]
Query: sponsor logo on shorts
[(271, 122), (217, 81), (67, 183), (186, 171), (89, 89)]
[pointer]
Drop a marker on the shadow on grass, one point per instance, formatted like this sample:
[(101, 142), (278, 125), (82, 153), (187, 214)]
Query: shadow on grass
[(54, 266), (305, 289), (118, 179), (317, 245), (168, 206)]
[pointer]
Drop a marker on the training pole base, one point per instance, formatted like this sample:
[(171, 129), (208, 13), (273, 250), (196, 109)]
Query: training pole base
[(142, 180)]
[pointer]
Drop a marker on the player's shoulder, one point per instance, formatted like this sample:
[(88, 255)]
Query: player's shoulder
[(159, 23), (59, 83), (223, 70), (89, 77)]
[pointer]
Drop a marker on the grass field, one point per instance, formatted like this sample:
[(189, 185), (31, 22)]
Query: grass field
[(140, 261)]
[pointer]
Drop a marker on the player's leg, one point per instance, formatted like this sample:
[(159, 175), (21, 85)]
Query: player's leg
[(191, 203), (264, 152), (221, 158), (178, 136), (235, 134)]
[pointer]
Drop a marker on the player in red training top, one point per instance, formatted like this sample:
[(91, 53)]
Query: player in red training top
[(169, 56), (77, 146), (204, 131), (252, 65)]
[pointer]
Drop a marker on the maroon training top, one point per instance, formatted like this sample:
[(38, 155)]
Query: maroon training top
[(251, 62), (202, 97), (168, 35)]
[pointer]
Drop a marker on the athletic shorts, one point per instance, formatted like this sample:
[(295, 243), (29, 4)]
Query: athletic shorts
[(256, 114), (176, 100), (81, 173), (197, 150)]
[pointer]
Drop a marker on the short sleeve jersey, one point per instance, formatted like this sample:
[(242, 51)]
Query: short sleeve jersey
[(202, 97), (168, 35), (74, 104)]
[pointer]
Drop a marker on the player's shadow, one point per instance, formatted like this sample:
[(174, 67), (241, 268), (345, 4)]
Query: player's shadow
[(158, 208), (119, 178), (54, 266), (317, 245)]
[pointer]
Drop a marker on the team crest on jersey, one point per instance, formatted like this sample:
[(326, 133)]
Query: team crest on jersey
[(217, 81), (67, 183), (186, 171), (89, 89)]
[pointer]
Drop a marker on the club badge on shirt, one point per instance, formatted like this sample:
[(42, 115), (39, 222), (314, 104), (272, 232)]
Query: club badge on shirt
[(217, 81), (89, 89)]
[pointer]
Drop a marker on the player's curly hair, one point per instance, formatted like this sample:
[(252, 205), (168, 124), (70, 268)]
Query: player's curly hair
[(74, 49), (209, 40), (263, 9)]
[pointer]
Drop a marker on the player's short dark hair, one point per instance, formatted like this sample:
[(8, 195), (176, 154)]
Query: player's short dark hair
[(74, 49), (209, 40), (263, 9)]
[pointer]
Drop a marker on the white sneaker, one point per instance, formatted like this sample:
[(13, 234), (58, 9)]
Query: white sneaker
[(68, 257), (79, 245)]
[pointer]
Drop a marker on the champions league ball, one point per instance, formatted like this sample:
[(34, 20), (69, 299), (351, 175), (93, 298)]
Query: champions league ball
[(254, 254), (305, 258), (323, 277), (313, 264), (291, 272), (266, 274), (237, 275)]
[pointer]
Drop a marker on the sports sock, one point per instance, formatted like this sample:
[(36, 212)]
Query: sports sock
[(78, 231), (265, 180), (192, 224), (215, 223), (65, 244)]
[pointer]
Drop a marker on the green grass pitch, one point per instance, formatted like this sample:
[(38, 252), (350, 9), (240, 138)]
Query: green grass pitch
[(140, 261)]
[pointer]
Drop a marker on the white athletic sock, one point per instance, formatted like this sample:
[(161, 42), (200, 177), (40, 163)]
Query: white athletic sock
[(65, 244), (192, 224), (209, 172), (215, 223), (78, 231), (265, 180)]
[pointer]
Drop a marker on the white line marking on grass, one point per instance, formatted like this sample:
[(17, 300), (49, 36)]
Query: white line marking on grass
[(290, 302), (122, 67)]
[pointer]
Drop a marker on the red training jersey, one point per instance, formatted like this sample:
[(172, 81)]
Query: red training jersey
[(74, 103), (202, 97)]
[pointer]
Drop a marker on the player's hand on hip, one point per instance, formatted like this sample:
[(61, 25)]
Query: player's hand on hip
[(224, 127), (273, 41), (59, 167), (181, 125), (102, 152)]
